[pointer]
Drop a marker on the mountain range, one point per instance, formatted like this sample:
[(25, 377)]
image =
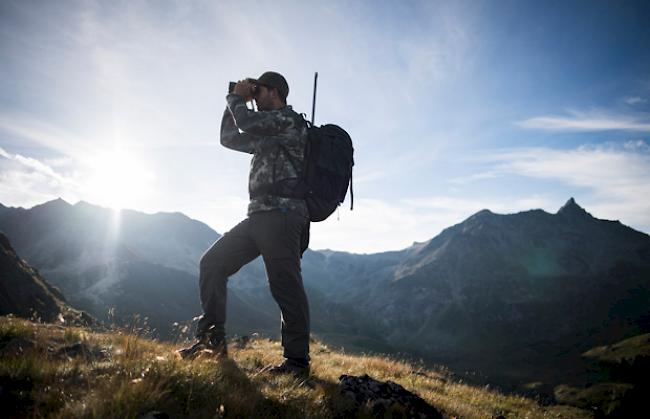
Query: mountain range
[(520, 295), (515, 297)]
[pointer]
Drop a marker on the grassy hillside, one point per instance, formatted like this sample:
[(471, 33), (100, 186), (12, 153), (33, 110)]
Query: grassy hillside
[(48, 370)]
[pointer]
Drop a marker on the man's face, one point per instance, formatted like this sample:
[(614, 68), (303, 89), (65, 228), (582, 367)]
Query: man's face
[(264, 99)]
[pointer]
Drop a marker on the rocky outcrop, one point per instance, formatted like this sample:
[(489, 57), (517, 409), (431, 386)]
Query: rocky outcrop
[(627, 361), (385, 399)]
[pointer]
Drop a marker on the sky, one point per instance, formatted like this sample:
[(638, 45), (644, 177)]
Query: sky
[(453, 106)]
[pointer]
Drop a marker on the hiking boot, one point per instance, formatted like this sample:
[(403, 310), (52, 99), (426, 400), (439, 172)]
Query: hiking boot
[(210, 344), (294, 366)]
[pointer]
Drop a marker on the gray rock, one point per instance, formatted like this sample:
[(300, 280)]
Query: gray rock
[(382, 398)]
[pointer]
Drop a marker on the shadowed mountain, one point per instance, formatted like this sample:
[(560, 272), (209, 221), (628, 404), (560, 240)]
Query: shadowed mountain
[(518, 297), (24, 293), (137, 264)]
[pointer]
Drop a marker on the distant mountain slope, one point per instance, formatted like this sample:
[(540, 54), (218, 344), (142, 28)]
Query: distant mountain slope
[(134, 263), (512, 294), (23, 292), (57, 233)]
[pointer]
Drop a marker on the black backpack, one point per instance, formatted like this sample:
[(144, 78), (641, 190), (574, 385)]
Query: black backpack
[(327, 170)]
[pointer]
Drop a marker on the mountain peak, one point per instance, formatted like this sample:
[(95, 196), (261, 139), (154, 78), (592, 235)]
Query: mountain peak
[(58, 202), (571, 208), (55, 203), (482, 214)]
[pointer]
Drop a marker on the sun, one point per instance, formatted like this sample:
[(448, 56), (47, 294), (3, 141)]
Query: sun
[(117, 179)]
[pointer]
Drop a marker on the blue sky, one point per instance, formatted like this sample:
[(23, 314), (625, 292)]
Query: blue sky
[(453, 106)]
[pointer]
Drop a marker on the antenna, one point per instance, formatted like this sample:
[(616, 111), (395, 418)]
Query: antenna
[(313, 102)]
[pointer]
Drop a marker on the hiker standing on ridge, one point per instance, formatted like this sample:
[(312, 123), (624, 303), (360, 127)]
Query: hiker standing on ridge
[(277, 226)]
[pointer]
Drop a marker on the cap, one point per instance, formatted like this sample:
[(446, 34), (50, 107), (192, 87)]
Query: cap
[(273, 79)]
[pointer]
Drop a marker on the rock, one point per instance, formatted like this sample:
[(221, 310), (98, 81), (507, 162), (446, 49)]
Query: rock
[(628, 360), (240, 342), (16, 346), (80, 349), (612, 400), (380, 398)]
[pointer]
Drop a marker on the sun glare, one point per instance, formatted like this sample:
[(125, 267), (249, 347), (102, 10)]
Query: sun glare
[(118, 179)]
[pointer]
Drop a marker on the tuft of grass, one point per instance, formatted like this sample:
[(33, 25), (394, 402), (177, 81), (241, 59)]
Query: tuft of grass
[(12, 328), (137, 375)]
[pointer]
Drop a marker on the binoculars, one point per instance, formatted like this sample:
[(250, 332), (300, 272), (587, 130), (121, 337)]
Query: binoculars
[(231, 86)]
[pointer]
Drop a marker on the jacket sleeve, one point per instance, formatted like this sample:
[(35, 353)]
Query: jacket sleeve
[(261, 123), (233, 139)]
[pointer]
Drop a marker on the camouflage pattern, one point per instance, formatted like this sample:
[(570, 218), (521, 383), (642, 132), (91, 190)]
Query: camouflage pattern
[(260, 134)]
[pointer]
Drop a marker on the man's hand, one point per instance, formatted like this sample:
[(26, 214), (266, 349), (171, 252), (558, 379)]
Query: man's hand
[(244, 88)]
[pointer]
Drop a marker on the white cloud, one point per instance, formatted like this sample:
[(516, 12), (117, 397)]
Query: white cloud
[(25, 181), (635, 100), (107, 179), (588, 122), (616, 176), (30, 130), (461, 180)]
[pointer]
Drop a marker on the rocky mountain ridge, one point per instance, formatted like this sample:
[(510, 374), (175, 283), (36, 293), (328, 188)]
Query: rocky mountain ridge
[(512, 294), (23, 292)]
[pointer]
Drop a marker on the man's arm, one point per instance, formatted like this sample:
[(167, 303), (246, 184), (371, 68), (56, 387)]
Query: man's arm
[(233, 139), (261, 123)]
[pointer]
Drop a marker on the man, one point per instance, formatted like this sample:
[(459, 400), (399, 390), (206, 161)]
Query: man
[(277, 226)]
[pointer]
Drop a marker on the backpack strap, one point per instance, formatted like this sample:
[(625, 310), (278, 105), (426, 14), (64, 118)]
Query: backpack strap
[(351, 192), (307, 121)]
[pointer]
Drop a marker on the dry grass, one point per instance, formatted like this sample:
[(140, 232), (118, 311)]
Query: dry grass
[(124, 375)]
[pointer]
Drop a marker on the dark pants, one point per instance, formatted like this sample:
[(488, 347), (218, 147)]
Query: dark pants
[(280, 236)]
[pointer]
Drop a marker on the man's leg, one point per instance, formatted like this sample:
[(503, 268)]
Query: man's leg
[(278, 235), (225, 257)]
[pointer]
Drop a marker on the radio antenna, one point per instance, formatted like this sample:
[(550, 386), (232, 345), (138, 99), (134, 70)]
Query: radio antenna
[(313, 102)]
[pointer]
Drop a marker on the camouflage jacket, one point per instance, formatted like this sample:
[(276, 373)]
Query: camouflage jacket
[(268, 136)]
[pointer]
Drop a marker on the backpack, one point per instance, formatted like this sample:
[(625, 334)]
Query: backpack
[(327, 170)]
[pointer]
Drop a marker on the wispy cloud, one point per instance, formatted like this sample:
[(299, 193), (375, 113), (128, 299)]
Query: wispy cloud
[(31, 130), (461, 180), (589, 121), (635, 100), (616, 175), (25, 181)]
